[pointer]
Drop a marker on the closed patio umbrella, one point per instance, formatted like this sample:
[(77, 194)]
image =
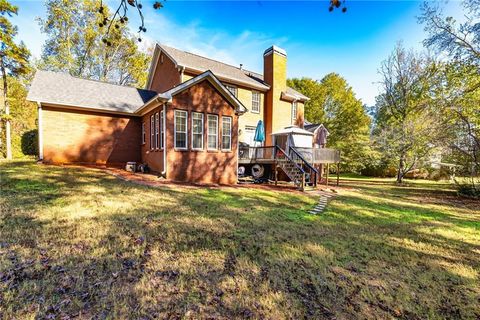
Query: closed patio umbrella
[(259, 132), (259, 137)]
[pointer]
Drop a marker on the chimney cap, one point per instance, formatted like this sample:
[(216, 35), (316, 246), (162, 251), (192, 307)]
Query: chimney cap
[(275, 49)]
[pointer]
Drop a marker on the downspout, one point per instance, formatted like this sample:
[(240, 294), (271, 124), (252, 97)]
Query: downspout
[(40, 132), (164, 172)]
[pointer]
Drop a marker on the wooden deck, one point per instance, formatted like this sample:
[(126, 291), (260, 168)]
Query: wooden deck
[(266, 155)]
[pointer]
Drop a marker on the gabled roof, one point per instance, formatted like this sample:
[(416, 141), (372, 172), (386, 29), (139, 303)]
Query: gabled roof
[(292, 130), (195, 63), (290, 92), (63, 89), (208, 76)]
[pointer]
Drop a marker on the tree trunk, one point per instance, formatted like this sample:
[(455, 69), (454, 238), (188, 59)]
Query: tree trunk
[(8, 138), (401, 168)]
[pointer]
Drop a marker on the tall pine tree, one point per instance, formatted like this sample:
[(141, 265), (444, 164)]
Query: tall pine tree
[(14, 62)]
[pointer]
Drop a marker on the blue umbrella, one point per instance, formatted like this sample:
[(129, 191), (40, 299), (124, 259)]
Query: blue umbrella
[(259, 132)]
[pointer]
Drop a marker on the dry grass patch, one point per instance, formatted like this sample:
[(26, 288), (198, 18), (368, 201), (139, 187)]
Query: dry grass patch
[(80, 243)]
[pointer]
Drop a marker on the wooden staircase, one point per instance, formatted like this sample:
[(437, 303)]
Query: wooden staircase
[(298, 170)]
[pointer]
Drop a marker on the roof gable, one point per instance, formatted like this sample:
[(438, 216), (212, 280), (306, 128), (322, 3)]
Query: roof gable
[(198, 64), (206, 76)]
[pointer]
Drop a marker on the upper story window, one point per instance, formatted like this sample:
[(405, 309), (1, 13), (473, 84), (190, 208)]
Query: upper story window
[(232, 89), (212, 133), (197, 131), (144, 134), (294, 111), (255, 102), (226, 133), (180, 128)]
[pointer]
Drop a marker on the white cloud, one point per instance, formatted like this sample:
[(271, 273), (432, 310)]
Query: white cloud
[(246, 47)]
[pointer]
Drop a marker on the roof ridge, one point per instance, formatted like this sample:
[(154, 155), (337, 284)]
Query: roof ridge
[(203, 57), (92, 80)]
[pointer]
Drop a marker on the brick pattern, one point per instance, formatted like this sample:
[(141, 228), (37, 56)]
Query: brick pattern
[(202, 166), (166, 75), (88, 137)]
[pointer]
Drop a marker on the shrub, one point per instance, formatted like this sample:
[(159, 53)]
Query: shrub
[(30, 142), (469, 190)]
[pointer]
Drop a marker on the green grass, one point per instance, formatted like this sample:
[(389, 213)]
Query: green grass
[(79, 242)]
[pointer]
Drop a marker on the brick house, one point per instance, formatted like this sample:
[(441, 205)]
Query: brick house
[(186, 124)]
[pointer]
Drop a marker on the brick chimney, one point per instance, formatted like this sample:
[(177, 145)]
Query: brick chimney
[(275, 75)]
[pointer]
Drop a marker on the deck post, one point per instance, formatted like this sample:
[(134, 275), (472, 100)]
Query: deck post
[(276, 172), (328, 170), (338, 174)]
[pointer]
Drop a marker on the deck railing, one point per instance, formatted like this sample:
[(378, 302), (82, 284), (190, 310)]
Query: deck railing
[(311, 155), (256, 153), (319, 155)]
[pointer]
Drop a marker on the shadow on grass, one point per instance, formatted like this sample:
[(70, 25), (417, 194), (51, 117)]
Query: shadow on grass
[(223, 253)]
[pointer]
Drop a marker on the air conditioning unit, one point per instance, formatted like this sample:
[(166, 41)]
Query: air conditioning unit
[(131, 167)]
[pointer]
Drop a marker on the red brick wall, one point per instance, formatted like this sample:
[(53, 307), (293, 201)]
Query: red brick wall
[(153, 157), (166, 75), (71, 136), (202, 166)]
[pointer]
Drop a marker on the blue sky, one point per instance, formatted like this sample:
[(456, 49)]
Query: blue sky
[(317, 42)]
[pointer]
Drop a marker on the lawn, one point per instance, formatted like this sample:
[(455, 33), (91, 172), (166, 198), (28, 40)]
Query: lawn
[(81, 243)]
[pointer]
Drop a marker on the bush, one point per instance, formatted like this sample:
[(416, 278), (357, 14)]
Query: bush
[(30, 142), (468, 190), (443, 173), (379, 171)]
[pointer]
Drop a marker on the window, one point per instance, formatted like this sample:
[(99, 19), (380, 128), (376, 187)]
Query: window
[(197, 130), (226, 133), (232, 89), (162, 123), (157, 131), (180, 129), (294, 111), (255, 102), (144, 135), (212, 137), (152, 131)]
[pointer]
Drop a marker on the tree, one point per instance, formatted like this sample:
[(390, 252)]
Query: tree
[(13, 61), (333, 103), (407, 126), (461, 41), (459, 92), (76, 45)]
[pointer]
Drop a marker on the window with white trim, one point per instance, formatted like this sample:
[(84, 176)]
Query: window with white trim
[(144, 134), (180, 128), (157, 130), (232, 89), (197, 131), (255, 102), (294, 111), (212, 133), (152, 131), (162, 124), (226, 133)]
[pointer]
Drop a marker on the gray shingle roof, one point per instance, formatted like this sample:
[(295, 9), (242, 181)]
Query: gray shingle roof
[(289, 90), (220, 69), (63, 89), (294, 92)]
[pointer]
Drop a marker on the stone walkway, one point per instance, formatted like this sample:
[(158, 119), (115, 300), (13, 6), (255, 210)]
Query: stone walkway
[(322, 203)]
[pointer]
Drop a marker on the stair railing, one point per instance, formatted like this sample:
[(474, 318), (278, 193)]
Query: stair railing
[(281, 155), (297, 157)]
